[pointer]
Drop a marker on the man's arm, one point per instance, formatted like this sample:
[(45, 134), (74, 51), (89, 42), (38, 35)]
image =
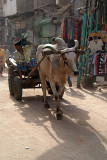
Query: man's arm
[(16, 57), (27, 51)]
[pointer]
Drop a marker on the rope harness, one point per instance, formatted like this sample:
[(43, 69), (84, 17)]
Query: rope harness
[(64, 59)]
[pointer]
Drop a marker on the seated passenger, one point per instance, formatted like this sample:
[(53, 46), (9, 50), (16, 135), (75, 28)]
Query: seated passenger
[(22, 56)]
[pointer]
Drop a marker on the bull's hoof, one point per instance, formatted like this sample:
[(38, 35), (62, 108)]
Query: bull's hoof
[(59, 116), (46, 105)]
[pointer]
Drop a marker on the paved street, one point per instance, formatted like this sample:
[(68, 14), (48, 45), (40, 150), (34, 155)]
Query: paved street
[(28, 131)]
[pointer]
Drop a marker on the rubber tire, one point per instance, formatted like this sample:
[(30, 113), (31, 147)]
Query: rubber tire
[(17, 88), (11, 80)]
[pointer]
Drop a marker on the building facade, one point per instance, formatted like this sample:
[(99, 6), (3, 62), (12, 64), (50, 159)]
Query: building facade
[(41, 19), (2, 22)]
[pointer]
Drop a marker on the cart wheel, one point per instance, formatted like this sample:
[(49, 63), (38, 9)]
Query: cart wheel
[(61, 96), (10, 80), (17, 88)]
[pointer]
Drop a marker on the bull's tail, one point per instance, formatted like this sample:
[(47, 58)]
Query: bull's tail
[(76, 44)]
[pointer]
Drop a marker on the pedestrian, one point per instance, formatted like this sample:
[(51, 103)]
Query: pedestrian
[(7, 54), (2, 60), (71, 44)]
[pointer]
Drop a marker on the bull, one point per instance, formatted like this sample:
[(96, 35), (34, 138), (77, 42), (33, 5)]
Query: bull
[(55, 69)]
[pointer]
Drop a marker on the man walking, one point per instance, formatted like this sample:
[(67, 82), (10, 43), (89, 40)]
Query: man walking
[(7, 54), (2, 61)]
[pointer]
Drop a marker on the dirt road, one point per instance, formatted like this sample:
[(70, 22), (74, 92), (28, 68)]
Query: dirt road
[(28, 131)]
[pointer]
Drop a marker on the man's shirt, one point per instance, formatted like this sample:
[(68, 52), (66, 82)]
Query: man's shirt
[(25, 57), (2, 57)]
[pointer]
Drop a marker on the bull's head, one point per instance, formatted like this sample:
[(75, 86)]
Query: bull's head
[(71, 60), (70, 57)]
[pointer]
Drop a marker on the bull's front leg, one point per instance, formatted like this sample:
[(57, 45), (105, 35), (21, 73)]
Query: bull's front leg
[(59, 113), (44, 87), (57, 99)]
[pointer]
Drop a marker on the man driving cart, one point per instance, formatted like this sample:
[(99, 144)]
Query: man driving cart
[(22, 56)]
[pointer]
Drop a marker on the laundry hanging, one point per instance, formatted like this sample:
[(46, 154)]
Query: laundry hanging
[(98, 63), (71, 29), (95, 45)]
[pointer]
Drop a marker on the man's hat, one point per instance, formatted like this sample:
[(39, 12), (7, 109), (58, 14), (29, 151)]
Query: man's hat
[(18, 43)]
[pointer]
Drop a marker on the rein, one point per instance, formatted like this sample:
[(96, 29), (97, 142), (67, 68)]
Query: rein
[(60, 55), (65, 60)]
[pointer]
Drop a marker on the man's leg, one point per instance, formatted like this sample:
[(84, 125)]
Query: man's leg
[(1, 71), (20, 73), (33, 63), (20, 67)]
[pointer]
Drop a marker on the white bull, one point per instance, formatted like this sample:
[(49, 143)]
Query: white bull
[(55, 69)]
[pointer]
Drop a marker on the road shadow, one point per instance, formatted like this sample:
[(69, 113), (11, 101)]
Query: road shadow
[(4, 78), (75, 139), (77, 94), (96, 93)]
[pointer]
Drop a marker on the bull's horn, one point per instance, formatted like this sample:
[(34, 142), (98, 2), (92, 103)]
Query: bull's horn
[(52, 49), (76, 44), (79, 52)]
